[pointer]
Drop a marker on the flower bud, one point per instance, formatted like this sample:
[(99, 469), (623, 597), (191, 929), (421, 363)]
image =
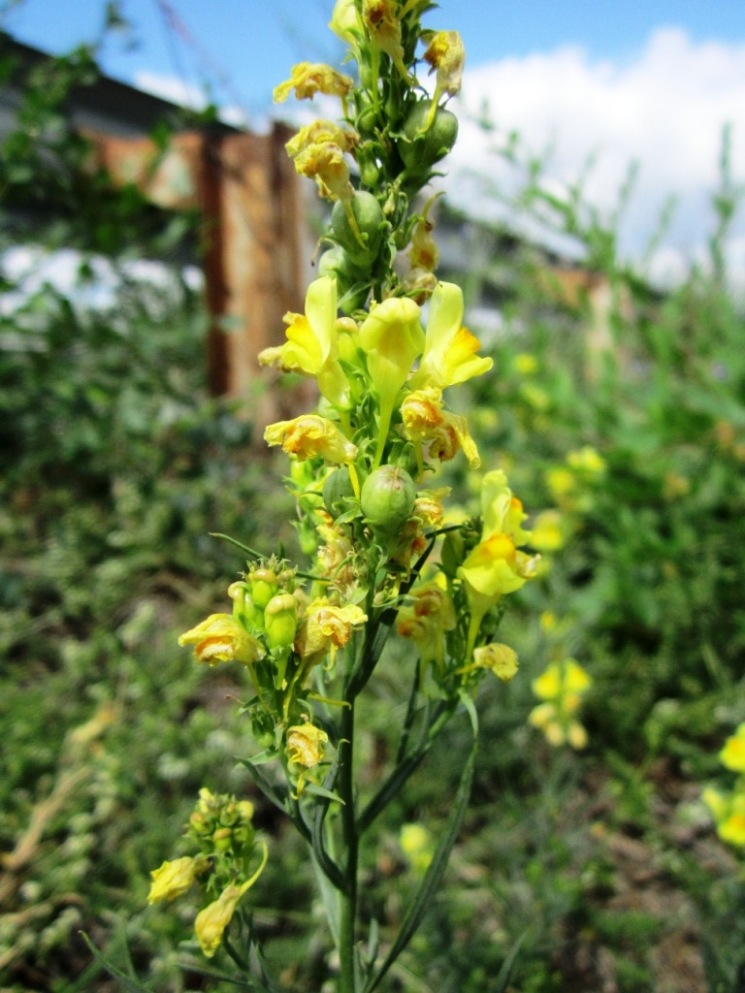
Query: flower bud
[(387, 498), (280, 620)]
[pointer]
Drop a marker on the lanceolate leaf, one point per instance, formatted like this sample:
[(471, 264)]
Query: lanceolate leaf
[(431, 882)]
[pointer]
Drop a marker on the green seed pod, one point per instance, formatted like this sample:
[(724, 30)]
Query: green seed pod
[(421, 148), (352, 284), (387, 498), (336, 488), (361, 245)]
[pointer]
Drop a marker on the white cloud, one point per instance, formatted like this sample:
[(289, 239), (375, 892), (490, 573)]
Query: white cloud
[(665, 108)]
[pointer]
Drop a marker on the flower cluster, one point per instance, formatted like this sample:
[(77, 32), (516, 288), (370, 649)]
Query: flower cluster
[(221, 829), (728, 809), (561, 686), (384, 556)]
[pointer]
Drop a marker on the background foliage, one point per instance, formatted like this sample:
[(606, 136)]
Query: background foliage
[(114, 468)]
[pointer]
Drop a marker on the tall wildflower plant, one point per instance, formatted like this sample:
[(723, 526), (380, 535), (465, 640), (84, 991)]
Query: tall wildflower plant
[(386, 561)]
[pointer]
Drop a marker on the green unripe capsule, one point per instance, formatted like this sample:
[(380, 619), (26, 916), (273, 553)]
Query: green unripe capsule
[(387, 498), (424, 145), (337, 486), (360, 245)]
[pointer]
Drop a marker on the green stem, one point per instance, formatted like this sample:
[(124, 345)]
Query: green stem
[(348, 921)]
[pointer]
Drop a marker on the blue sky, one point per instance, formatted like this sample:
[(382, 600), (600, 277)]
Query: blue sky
[(252, 43), (646, 81)]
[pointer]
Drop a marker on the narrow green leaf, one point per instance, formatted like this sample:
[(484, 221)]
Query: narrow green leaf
[(390, 788), (431, 881), (508, 965), (128, 983), (264, 785), (316, 790)]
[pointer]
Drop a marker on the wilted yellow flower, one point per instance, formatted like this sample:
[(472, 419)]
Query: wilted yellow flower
[(426, 619), (311, 435), (500, 658), (447, 56), (733, 753), (322, 132), (326, 164), (449, 348), (312, 345), (220, 638), (212, 921), (173, 879), (306, 745), (327, 626), (308, 78), (425, 421), (381, 19)]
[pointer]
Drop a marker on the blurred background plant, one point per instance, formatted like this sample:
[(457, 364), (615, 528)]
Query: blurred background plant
[(115, 465)]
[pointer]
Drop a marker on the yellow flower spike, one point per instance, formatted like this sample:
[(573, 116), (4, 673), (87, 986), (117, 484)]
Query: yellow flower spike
[(307, 79), (733, 754), (391, 337), (309, 436), (306, 745), (449, 349), (312, 345), (212, 921), (220, 638), (173, 879)]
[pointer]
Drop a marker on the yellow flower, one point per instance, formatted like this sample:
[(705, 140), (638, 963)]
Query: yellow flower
[(308, 78), (417, 845), (322, 132), (526, 364), (174, 878), (495, 566), (733, 753), (729, 813), (381, 18), (391, 337), (345, 21), (306, 745), (447, 56), (562, 679), (311, 435), (220, 638), (557, 729), (326, 164), (327, 626), (312, 345), (445, 434), (586, 460), (449, 348), (211, 922), (501, 659), (547, 534)]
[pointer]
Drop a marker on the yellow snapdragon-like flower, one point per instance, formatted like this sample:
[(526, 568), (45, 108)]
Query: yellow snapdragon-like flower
[(496, 566), (311, 435), (212, 921), (381, 19), (449, 348), (548, 531), (728, 811), (173, 879), (220, 638), (308, 78), (327, 626), (499, 658), (447, 57), (306, 745), (733, 754), (391, 337), (426, 422), (345, 22), (312, 345)]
